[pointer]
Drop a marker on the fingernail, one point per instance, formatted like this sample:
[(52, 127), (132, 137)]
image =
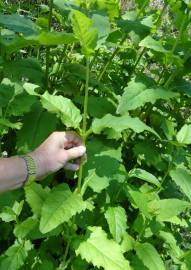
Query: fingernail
[(76, 167), (82, 150)]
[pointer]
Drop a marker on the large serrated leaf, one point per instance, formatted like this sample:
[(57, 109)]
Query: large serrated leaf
[(60, 205), (152, 44), (16, 255), (149, 256), (84, 32), (35, 197), (117, 221), (63, 107), (103, 165), (171, 207), (139, 92), (28, 138), (19, 24), (51, 38), (144, 175), (102, 252), (182, 178), (184, 134), (120, 123)]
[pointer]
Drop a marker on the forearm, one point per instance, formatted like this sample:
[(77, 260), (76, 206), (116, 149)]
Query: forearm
[(13, 173)]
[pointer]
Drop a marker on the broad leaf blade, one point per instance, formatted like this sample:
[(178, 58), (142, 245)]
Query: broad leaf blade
[(84, 32), (149, 256), (152, 44), (60, 205), (35, 197), (171, 207), (52, 38), (144, 175), (16, 255), (184, 134), (63, 108), (120, 123), (102, 252), (18, 23), (141, 91), (182, 178), (117, 221)]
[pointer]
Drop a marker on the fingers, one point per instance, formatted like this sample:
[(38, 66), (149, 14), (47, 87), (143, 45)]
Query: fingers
[(72, 166), (71, 137), (66, 139), (75, 152)]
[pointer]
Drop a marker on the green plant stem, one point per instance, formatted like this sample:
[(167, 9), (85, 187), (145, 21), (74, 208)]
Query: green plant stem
[(142, 8), (84, 120), (182, 29), (108, 62), (48, 48), (157, 24)]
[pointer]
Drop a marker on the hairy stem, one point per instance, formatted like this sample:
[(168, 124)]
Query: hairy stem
[(48, 48), (103, 70), (84, 120), (182, 29)]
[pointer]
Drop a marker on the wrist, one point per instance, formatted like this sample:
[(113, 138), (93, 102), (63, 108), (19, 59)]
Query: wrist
[(41, 168)]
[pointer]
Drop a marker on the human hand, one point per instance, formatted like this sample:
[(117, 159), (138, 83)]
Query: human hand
[(57, 151)]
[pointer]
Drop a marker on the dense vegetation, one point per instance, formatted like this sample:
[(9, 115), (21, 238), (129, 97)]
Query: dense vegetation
[(118, 74)]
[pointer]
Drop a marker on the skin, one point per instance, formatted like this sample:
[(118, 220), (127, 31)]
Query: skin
[(56, 152)]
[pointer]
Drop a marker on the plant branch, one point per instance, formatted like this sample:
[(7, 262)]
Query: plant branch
[(84, 120), (108, 62), (48, 48)]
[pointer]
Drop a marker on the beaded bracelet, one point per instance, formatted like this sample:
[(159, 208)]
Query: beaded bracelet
[(31, 168)]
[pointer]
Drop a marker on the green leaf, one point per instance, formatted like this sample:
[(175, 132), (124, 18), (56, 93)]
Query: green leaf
[(183, 86), (117, 221), (111, 6), (182, 178), (21, 104), (59, 207), (174, 250), (149, 256), (135, 29), (21, 230), (144, 175), (35, 197), (148, 152), (187, 259), (11, 42), (127, 243), (139, 200), (11, 213), (139, 92), (98, 106), (102, 24), (28, 68), (152, 44), (52, 38), (120, 123), (184, 134), (6, 92), (171, 207), (97, 176), (8, 214), (37, 126), (63, 108), (102, 252), (8, 124), (18, 23), (84, 32), (16, 255)]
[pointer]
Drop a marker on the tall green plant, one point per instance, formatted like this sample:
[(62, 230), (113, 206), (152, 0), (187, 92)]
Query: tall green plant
[(122, 81)]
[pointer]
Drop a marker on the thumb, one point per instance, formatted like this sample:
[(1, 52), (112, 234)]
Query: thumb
[(75, 152)]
